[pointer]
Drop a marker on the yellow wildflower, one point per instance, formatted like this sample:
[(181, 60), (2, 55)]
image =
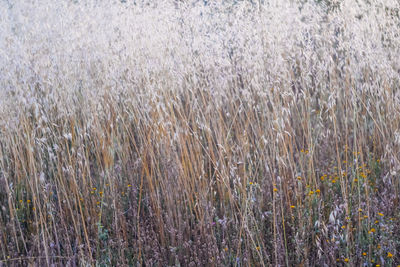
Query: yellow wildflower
[(390, 255)]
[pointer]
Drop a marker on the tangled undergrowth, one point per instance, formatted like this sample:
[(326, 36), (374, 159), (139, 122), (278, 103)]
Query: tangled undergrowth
[(169, 133)]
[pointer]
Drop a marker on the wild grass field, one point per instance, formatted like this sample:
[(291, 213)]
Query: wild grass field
[(200, 133)]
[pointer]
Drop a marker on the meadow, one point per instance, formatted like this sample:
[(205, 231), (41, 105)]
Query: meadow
[(200, 133)]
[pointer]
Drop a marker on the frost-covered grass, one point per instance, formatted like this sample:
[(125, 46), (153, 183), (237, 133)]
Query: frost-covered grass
[(182, 133)]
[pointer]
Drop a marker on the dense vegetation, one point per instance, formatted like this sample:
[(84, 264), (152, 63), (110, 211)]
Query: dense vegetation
[(248, 133)]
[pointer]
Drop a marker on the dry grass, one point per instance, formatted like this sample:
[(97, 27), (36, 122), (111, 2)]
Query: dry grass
[(200, 135)]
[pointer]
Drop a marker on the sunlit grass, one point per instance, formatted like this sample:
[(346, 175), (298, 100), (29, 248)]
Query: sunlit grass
[(176, 133)]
